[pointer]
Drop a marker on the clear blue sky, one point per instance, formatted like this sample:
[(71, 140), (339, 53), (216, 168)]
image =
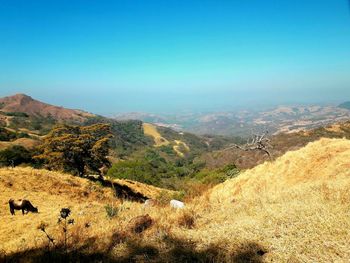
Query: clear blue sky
[(129, 55)]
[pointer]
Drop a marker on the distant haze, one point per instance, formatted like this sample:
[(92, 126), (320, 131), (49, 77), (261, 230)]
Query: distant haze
[(167, 56)]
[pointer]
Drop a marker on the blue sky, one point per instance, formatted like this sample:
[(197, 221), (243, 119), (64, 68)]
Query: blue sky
[(157, 56)]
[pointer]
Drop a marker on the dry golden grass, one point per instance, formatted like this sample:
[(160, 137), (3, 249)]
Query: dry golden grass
[(296, 209), (50, 191), (151, 130)]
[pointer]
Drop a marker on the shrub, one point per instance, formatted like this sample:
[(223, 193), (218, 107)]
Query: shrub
[(168, 149), (137, 170), (111, 211), (6, 135), (211, 177), (230, 170), (16, 114), (15, 155)]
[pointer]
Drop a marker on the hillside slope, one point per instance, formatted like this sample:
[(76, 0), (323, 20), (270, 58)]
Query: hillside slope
[(295, 209), (281, 143), (25, 103), (51, 191)]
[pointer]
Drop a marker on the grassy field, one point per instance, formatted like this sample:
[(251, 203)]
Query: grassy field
[(151, 130), (294, 209), (179, 146)]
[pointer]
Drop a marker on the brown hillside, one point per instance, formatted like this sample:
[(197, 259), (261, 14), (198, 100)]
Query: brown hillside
[(281, 144), (24, 103)]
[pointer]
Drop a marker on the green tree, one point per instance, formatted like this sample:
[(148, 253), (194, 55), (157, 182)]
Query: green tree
[(76, 149), (15, 155)]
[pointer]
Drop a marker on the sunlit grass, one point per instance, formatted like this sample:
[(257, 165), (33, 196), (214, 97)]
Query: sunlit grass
[(295, 209)]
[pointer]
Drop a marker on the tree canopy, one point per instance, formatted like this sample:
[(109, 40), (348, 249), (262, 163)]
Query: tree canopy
[(76, 149)]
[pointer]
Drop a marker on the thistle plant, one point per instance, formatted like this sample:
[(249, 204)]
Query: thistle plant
[(64, 214)]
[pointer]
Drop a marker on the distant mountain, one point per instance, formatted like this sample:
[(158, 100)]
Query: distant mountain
[(34, 108), (146, 117), (345, 105), (242, 123)]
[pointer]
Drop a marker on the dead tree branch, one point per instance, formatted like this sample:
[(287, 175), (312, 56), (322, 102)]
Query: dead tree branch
[(258, 142)]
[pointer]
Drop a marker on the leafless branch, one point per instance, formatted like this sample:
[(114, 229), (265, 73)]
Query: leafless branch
[(258, 142)]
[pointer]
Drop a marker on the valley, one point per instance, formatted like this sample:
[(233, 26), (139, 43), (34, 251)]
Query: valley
[(279, 119)]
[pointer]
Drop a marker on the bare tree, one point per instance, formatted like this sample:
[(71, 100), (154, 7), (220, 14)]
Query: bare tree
[(258, 142)]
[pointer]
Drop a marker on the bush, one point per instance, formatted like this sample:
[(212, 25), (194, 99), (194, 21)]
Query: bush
[(168, 149), (211, 177), (16, 114), (137, 170), (6, 135), (230, 170), (111, 211), (15, 155), (22, 135)]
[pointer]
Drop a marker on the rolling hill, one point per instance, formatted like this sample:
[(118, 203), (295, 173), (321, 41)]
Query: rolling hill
[(277, 119), (34, 108), (280, 211)]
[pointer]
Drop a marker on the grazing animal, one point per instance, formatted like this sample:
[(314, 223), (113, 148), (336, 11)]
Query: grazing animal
[(24, 205), (177, 204)]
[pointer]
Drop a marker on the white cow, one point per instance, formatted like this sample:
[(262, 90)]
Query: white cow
[(177, 204)]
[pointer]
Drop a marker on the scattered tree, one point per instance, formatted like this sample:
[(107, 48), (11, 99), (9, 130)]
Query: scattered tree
[(76, 149)]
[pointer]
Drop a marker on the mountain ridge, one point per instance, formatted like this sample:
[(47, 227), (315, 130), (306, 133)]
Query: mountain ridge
[(281, 118), (24, 103)]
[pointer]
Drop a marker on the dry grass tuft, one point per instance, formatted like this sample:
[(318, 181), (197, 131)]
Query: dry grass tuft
[(140, 223), (187, 219)]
